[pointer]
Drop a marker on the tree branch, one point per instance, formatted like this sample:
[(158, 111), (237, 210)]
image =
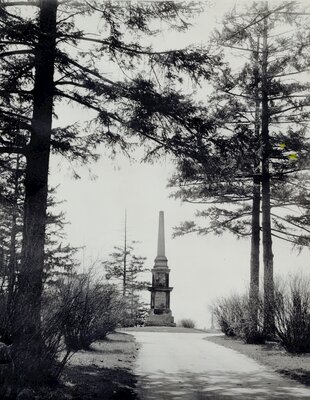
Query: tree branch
[(287, 240), (15, 52), (12, 150), (291, 223), (20, 3)]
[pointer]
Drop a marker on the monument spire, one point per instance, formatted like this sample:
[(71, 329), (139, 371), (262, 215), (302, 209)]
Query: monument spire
[(160, 313), (161, 235), (161, 259)]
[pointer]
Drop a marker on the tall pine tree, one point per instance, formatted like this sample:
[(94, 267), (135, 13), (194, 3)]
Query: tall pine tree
[(47, 59), (261, 146)]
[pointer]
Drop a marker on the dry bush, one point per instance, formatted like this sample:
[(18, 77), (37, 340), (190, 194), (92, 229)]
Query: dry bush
[(292, 313), (229, 312), (89, 310), (75, 313), (187, 323), (233, 317)]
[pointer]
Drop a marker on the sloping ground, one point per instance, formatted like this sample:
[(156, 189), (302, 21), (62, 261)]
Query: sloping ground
[(296, 367), (104, 372)]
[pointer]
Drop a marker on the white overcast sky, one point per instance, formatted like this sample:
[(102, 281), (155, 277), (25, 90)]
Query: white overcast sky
[(202, 268)]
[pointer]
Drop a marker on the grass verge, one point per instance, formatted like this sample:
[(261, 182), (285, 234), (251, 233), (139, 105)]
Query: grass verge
[(296, 367), (104, 371)]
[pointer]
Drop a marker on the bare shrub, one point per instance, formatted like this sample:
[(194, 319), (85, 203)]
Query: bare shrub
[(187, 323), (229, 313), (75, 312), (292, 313), (233, 317), (90, 310)]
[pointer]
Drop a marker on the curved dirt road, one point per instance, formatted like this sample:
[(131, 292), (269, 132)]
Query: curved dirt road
[(184, 366)]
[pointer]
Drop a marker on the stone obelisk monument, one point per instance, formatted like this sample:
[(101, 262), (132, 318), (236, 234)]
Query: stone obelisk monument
[(160, 313)]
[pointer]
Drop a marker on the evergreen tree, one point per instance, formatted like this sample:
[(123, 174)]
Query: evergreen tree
[(126, 268), (59, 257), (254, 157), (42, 66)]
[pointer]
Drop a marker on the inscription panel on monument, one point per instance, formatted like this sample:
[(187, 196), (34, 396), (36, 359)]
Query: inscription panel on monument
[(160, 279), (160, 300)]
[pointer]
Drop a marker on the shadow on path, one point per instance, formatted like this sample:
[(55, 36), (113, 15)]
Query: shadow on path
[(186, 385), (92, 382)]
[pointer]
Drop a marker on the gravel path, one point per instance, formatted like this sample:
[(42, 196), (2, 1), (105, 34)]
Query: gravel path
[(184, 366)]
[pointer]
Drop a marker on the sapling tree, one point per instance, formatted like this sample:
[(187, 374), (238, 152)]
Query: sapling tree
[(125, 268)]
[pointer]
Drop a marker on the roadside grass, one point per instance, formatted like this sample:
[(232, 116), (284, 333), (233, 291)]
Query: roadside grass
[(296, 367), (104, 371)]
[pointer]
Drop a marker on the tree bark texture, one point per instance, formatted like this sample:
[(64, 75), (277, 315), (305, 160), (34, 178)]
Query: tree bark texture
[(256, 202), (12, 265), (254, 270), (266, 211)]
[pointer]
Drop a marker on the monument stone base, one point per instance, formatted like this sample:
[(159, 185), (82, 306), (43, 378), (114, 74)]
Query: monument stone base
[(164, 318)]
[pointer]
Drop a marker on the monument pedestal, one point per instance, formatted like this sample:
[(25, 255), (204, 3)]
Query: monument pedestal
[(160, 319)]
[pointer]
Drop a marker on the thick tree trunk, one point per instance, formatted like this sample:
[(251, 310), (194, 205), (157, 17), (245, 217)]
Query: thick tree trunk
[(12, 253), (255, 224), (269, 327), (12, 263), (254, 271), (12, 260), (28, 335)]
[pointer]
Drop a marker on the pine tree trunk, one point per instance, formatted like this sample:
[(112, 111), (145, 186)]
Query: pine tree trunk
[(12, 262), (269, 327), (256, 202), (28, 340), (254, 272), (12, 253)]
